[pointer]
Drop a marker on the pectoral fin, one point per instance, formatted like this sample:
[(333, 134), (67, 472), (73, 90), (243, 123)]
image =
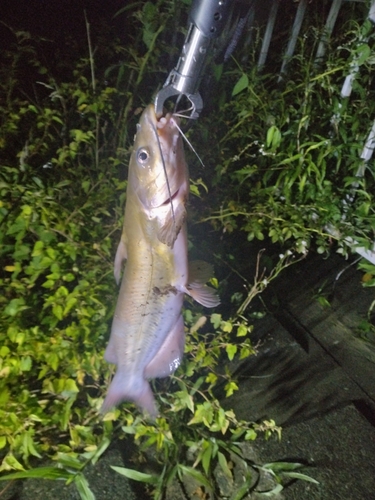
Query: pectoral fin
[(204, 295), (121, 255), (199, 273), (169, 231)]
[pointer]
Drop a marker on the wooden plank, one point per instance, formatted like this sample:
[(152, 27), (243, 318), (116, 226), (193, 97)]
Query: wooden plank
[(287, 383), (309, 360), (354, 356)]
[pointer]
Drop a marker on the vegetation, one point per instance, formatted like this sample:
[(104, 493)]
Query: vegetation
[(282, 167)]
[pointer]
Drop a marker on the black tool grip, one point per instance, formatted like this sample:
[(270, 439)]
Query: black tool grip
[(209, 16)]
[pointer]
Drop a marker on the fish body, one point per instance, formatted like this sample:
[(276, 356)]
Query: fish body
[(147, 337)]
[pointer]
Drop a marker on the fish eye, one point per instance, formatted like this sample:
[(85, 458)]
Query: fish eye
[(143, 155)]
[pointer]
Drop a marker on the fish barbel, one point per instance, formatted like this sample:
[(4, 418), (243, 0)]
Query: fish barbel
[(147, 337)]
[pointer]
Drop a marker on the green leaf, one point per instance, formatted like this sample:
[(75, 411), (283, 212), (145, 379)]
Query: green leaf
[(69, 461), (211, 378), (194, 473), (226, 326), (217, 70), (15, 306), (230, 387), (243, 489), (83, 487), (4, 397), (38, 249), (68, 277), (206, 457), (38, 182), (186, 399), (3, 442), (242, 331), (86, 185), (26, 210), (250, 435), (100, 450), (39, 473), (363, 52), (215, 320), (231, 350), (282, 466), (29, 444), (299, 475), (194, 190), (25, 364), (203, 413), (53, 360), (136, 475), (275, 491), (273, 137), (4, 351), (242, 84), (224, 465), (70, 302), (58, 311), (70, 388), (48, 284)]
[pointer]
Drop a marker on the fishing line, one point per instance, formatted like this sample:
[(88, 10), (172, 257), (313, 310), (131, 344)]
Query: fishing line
[(165, 174), (187, 141)]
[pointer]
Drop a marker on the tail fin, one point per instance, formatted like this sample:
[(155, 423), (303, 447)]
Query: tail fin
[(139, 392)]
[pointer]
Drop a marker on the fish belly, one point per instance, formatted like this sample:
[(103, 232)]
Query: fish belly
[(147, 336)]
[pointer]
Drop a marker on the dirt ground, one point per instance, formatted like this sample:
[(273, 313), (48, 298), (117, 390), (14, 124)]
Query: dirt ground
[(340, 451), (338, 447)]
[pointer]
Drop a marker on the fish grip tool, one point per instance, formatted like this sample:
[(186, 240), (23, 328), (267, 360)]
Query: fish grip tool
[(207, 19)]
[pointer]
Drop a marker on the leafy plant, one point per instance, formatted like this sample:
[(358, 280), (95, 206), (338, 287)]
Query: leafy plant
[(291, 171), (55, 189)]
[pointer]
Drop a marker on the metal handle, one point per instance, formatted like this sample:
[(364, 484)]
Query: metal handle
[(209, 16)]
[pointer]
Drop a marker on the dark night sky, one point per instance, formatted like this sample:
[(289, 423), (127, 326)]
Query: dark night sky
[(58, 30), (55, 19)]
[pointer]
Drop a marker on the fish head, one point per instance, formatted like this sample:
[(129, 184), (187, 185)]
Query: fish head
[(158, 172), (158, 179)]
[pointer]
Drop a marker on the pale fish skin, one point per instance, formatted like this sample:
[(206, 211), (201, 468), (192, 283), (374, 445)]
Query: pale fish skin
[(147, 337)]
